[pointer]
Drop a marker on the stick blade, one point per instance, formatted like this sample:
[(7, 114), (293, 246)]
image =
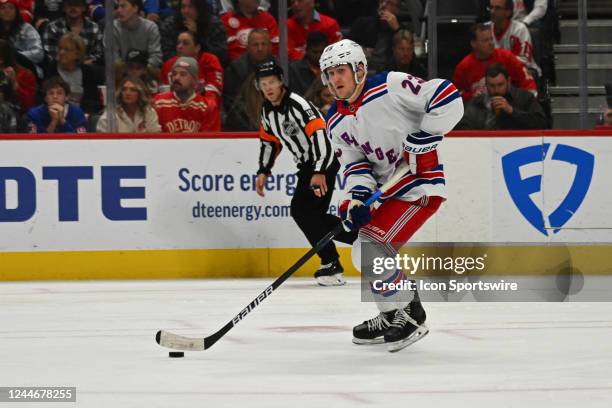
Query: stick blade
[(176, 342)]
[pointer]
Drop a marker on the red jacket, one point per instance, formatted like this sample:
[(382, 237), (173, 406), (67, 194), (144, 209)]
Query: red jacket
[(239, 26), (189, 117), (25, 9), (298, 33), (470, 72), (26, 88)]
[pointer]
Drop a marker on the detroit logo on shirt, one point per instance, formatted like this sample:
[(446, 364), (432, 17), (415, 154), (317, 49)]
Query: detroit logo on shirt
[(181, 125)]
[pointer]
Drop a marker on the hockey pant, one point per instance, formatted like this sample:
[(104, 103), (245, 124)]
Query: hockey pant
[(392, 225), (310, 212)]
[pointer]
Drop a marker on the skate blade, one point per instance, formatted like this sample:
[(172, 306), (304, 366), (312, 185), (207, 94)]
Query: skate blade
[(413, 338), (364, 342), (335, 280)]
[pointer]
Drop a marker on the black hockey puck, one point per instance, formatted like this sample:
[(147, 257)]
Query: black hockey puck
[(176, 354)]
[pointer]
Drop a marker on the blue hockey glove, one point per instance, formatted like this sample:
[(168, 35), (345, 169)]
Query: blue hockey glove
[(355, 214)]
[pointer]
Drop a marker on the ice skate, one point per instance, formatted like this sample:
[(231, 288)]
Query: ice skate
[(330, 274), (406, 327), (372, 331)]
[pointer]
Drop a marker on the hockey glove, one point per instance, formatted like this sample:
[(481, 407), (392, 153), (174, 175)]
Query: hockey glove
[(354, 213), (420, 151)]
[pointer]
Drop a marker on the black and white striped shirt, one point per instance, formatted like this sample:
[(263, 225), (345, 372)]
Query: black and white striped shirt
[(297, 125)]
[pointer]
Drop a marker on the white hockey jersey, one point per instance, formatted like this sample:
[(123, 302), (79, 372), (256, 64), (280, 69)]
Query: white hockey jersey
[(395, 113), (516, 39)]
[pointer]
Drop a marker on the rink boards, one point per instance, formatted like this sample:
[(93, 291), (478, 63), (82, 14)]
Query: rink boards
[(112, 207)]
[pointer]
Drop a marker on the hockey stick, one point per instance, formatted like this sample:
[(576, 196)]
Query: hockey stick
[(176, 342)]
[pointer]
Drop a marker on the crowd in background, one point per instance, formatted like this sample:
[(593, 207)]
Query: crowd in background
[(188, 65)]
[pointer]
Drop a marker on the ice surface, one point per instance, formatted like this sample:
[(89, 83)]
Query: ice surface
[(295, 349)]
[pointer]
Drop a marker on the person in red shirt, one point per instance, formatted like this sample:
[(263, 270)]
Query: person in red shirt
[(469, 75), (511, 34), (21, 79), (210, 78), (305, 20), (25, 8), (182, 109), (239, 23)]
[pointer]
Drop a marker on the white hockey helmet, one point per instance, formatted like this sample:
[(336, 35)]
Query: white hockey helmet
[(340, 53)]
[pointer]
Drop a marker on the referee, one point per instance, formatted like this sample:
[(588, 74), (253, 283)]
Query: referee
[(288, 120)]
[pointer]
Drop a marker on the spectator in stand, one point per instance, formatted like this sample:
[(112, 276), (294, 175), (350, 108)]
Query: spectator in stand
[(8, 117), (26, 9), (470, 72), (134, 32), (74, 21), (22, 80), (82, 79), (135, 65), (195, 16), (503, 106), (241, 101), (375, 34), (24, 38), (46, 11), (512, 35), (529, 11), (210, 83), (404, 59), (302, 73), (320, 96), (151, 10), (239, 22), (305, 20), (134, 113), (56, 115), (182, 110)]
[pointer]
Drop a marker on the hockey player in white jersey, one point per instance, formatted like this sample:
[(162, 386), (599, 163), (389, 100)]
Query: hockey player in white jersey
[(375, 124)]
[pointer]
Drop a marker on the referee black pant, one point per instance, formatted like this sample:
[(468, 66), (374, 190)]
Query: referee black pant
[(310, 212)]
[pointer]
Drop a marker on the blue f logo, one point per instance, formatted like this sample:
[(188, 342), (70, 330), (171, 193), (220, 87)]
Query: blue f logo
[(520, 189)]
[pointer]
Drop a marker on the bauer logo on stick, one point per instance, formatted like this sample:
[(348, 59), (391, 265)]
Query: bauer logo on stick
[(253, 304)]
